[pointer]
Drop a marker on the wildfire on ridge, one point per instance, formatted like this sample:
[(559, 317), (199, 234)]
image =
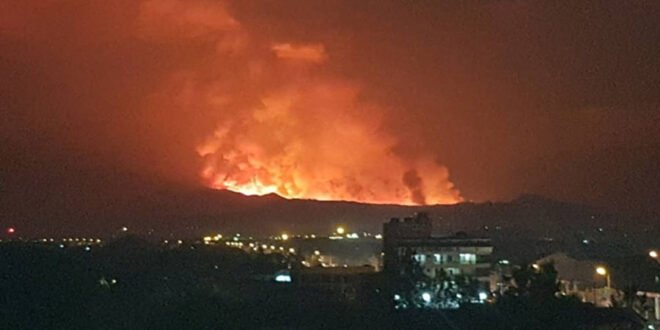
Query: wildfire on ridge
[(254, 187), (284, 122), (319, 142)]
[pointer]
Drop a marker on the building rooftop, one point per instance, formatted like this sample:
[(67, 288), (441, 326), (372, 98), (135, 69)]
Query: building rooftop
[(446, 241)]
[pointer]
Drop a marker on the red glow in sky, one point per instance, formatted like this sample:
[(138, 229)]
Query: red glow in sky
[(407, 102)]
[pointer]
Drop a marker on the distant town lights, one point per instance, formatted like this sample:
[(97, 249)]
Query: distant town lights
[(340, 230), (285, 237)]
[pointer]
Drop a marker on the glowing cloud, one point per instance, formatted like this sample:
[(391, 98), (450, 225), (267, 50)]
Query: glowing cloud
[(314, 53), (177, 19), (285, 129)]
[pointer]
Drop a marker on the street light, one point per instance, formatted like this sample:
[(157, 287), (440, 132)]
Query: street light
[(340, 230), (653, 254), (602, 271)]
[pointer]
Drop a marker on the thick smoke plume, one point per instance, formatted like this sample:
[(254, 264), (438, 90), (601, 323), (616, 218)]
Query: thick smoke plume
[(283, 125), (339, 99), (264, 114)]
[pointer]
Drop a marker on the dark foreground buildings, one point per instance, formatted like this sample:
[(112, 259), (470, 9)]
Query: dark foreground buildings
[(411, 241), (435, 271)]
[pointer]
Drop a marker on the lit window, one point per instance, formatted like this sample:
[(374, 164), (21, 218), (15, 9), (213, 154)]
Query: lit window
[(468, 258), (439, 258), (453, 271), (420, 258)]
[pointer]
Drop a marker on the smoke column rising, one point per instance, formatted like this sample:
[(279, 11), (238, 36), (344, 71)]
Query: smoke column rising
[(174, 86), (283, 125)]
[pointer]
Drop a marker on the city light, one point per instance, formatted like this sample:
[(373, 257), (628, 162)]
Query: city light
[(653, 254), (426, 297), (601, 270), (283, 278), (340, 230), (11, 230), (285, 237)]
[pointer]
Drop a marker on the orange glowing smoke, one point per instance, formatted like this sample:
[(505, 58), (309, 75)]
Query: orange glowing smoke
[(285, 125), (319, 142)]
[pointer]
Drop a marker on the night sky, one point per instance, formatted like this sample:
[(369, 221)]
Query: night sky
[(106, 102)]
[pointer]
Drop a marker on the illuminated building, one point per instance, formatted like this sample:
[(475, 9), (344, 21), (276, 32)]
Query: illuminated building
[(410, 242)]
